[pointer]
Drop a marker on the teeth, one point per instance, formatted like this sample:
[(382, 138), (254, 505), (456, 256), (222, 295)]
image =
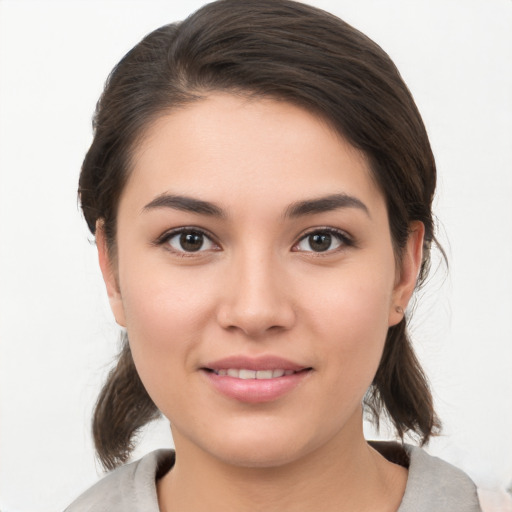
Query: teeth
[(253, 374), (246, 374)]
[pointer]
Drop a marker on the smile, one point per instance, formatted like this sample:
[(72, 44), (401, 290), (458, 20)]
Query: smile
[(253, 385), (253, 374)]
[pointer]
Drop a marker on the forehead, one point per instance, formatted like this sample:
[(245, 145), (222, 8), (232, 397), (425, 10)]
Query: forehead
[(246, 148)]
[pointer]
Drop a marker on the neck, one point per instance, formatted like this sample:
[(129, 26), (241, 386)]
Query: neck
[(343, 475)]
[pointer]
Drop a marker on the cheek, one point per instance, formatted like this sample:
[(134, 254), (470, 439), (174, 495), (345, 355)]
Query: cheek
[(165, 317), (353, 301), (349, 316)]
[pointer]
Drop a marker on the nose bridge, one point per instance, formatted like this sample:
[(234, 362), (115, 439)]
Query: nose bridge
[(256, 299)]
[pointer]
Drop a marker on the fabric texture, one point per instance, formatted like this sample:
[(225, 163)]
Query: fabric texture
[(432, 484)]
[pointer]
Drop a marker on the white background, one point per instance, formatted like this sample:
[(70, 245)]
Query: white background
[(57, 335)]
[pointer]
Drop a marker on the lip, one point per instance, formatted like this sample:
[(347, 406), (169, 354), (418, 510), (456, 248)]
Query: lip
[(255, 363), (254, 391)]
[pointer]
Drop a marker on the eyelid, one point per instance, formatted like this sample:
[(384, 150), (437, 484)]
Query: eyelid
[(345, 239), (171, 233)]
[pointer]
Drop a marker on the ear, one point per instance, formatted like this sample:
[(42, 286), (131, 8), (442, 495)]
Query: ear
[(408, 272), (109, 275)]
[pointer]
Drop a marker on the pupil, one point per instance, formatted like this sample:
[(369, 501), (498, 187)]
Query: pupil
[(320, 242), (191, 242)]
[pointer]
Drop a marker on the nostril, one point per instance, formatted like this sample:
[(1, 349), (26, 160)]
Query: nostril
[(256, 321)]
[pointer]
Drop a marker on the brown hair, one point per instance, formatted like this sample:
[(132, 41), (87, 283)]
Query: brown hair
[(288, 51)]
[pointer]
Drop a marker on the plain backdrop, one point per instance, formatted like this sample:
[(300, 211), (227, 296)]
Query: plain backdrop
[(57, 335)]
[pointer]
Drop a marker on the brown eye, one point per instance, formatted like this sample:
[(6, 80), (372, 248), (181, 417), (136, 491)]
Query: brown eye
[(190, 241), (323, 241), (320, 242)]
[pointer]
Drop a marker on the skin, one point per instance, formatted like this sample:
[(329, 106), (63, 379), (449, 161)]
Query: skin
[(257, 289)]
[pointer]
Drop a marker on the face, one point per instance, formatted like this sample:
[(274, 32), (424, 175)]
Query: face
[(256, 278)]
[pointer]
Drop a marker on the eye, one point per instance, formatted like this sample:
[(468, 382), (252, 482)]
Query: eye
[(188, 241), (323, 240)]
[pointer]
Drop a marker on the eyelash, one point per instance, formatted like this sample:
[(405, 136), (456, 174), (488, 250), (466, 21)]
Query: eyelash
[(169, 235), (342, 237)]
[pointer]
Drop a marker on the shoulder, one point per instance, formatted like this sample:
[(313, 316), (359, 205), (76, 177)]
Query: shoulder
[(128, 488), (434, 484)]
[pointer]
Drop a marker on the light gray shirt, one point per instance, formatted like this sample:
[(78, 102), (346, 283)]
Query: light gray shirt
[(432, 486)]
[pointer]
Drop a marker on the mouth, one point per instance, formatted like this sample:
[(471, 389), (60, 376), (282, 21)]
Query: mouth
[(247, 374), (256, 380)]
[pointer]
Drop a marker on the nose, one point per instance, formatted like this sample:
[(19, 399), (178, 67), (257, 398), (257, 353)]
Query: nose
[(256, 299)]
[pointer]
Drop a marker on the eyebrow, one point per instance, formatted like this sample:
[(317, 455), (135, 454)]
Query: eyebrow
[(186, 204), (325, 204), (297, 209)]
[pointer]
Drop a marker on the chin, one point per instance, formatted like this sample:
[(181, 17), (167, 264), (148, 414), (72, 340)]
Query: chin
[(261, 444), (259, 455)]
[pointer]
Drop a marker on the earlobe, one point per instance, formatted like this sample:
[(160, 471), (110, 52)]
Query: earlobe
[(412, 258), (107, 267)]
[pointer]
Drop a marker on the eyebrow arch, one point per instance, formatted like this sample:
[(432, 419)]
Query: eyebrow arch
[(325, 204), (184, 203)]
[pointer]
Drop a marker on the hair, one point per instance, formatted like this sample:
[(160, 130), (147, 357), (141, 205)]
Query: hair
[(287, 51)]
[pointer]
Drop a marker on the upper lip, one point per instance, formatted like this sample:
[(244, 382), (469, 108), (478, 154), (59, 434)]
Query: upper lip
[(254, 363)]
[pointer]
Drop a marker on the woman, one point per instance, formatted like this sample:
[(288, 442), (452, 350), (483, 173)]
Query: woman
[(260, 187)]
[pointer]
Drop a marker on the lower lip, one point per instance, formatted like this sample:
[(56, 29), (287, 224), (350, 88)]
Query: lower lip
[(255, 390)]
